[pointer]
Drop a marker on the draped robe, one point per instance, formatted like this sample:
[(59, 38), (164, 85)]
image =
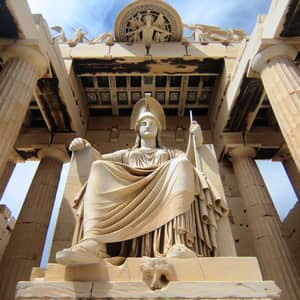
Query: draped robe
[(143, 201)]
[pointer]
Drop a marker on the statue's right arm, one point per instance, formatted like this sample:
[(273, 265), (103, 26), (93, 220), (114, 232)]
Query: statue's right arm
[(80, 144)]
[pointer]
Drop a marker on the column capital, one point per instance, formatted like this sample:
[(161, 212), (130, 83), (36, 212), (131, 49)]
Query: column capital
[(15, 157), (267, 54), (242, 151), (282, 154), (60, 154), (29, 54)]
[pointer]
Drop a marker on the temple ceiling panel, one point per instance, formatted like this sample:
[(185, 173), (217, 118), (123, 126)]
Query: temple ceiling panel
[(115, 85)]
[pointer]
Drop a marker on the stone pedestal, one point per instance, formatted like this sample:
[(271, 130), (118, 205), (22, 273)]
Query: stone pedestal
[(24, 250), (271, 249), (145, 278), (281, 80), (5, 176), (23, 67)]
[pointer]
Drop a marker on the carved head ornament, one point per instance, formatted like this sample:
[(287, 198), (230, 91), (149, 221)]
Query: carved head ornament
[(157, 273), (148, 107)]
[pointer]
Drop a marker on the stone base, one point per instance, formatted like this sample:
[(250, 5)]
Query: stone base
[(136, 278)]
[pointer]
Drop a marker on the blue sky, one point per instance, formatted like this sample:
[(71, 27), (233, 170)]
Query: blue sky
[(97, 16)]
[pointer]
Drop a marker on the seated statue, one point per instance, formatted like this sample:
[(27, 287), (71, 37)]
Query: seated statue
[(147, 200)]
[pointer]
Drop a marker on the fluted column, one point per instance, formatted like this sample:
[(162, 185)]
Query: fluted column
[(271, 249), (23, 67), (293, 174), (284, 156), (281, 80), (24, 250), (5, 176)]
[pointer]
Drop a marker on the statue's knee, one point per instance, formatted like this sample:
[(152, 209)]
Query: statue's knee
[(182, 161), (99, 164)]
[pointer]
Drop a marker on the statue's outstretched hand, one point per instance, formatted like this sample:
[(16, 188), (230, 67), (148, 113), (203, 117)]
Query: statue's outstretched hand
[(195, 130), (79, 144)]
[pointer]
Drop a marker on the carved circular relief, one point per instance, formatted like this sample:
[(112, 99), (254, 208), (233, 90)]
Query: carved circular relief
[(148, 21)]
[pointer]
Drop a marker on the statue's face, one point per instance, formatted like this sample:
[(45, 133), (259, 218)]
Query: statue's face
[(148, 128)]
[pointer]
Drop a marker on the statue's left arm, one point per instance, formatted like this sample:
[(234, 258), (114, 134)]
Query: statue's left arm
[(195, 140)]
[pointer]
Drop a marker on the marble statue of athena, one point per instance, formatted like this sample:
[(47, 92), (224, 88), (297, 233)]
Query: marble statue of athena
[(147, 200)]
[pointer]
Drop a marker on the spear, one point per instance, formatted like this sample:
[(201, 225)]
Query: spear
[(196, 153)]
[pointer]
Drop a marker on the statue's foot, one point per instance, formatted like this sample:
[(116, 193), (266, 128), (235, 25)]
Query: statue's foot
[(180, 251), (86, 252)]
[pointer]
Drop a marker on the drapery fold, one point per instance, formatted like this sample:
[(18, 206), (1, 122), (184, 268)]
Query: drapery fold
[(147, 210)]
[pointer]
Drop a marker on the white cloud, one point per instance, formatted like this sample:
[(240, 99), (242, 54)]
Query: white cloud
[(93, 16), (227, 14), (56, 11)]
